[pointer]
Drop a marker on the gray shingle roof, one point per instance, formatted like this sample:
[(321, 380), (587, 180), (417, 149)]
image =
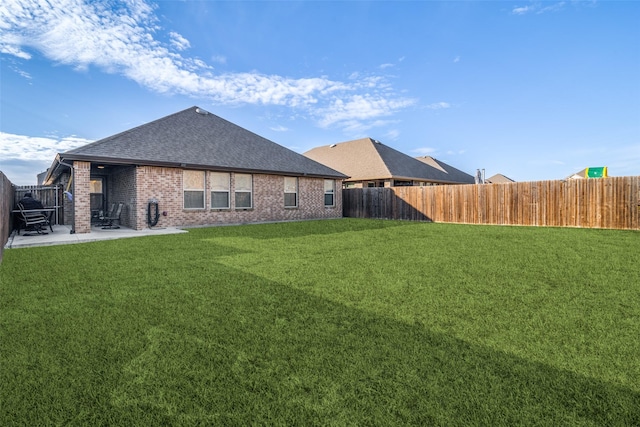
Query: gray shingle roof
[(194, 138), (455, 175), (367, 159)]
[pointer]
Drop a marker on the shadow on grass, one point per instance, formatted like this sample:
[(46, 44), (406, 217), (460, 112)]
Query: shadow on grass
[(297, 228), (223, 347)]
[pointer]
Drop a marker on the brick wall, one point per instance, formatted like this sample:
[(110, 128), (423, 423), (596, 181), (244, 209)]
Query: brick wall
[(165, 186), (81, 199), (121, 188)]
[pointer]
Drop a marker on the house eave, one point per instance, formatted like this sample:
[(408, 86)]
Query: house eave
[(180, 165)]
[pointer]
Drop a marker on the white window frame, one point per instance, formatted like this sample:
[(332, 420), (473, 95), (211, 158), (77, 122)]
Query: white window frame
[(330, 189), (220, 182), (190, 184), (291, 187), (240, 189)]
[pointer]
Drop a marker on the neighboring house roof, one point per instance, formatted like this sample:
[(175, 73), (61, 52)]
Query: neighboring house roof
[(367, 159), (499, 179), (195, 138), (454, 174), (579, 175)]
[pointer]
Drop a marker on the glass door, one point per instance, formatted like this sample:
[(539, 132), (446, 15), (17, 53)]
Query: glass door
[(96, 197)]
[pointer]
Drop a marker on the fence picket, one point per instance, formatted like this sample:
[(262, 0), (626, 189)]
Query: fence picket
[(612, 202)]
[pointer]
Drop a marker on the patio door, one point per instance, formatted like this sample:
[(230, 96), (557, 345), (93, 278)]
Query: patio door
[(96, 196)]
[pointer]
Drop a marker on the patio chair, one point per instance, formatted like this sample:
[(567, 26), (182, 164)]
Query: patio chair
[(107, 221), (36, 221)]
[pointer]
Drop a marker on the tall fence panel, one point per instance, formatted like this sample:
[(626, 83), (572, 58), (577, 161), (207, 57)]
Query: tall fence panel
[(6, 205), (590, 203)]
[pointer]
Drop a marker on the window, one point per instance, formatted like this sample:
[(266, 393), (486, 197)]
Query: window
[(290, 192), (219, 184), (193, 187), (329, 192), (243, 187)]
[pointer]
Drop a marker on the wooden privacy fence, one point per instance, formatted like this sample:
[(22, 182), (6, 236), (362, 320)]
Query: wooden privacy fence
[(590, 203), (6, 204)]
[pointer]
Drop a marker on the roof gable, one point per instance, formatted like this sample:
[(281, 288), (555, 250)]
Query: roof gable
[(499, 179), (368, 159), (454, 174), (195, 138)]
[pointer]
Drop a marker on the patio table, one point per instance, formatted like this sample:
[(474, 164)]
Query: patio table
[(18, 220)]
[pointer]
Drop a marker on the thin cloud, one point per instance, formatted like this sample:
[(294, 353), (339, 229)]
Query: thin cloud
[(21, 147), (439, 106), (522, 10), (219, 59), (538, 8), (120, 38), (279, 128), (178, 41), (423, 151), (360, 107), (22, 155), (393, 134)]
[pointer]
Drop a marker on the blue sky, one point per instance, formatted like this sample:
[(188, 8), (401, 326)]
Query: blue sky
[(533, 90)]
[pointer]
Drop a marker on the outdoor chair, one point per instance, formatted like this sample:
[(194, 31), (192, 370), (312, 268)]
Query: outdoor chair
[(99, 219), (107, 221), (35, 221)]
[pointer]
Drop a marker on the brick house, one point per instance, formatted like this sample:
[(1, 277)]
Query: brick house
[(193, 168), (370, 163)]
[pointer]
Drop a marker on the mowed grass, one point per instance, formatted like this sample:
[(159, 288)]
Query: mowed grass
[(338, 322)]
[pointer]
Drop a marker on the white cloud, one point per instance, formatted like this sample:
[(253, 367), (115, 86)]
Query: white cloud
[(393, 134), (439, 106), (522, 10), (178, 41), (538, 8), (360, 107), (21, 147), (383, 66), (424, 151), (119, 38), (279, 128), (219, 59), (456, 59), (23, 157)]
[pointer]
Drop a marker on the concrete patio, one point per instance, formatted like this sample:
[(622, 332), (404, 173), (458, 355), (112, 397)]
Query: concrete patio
[(62, 236)]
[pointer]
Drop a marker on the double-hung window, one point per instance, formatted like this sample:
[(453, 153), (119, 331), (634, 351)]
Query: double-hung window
[(193, 189), (219, 183), (329, 192), (244, 190), (290, 192)]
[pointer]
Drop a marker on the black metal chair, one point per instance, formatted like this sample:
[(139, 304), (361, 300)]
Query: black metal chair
[(107, 221), (36, 221)]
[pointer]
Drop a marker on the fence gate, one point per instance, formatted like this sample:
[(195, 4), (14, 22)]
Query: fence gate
[(50, 197)]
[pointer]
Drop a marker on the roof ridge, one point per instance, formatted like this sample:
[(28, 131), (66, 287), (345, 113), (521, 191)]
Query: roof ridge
[(125, 132), (376, 145)]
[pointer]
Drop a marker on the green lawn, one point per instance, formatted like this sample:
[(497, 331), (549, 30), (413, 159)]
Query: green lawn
[(337, 322)]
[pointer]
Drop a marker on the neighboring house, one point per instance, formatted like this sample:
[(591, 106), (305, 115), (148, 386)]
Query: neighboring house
[(498, 179), (369, 163), (578, 175), (455, 175), (597, 172), (200, 170)]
